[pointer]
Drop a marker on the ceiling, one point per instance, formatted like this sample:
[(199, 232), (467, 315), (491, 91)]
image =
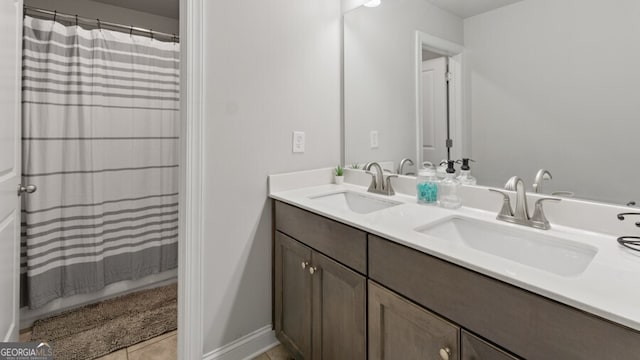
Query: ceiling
[(166, 8), (468, 8)]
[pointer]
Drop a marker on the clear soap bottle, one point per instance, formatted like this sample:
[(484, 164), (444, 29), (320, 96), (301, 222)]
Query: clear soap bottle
[(465, 177), (427, 186), (449, 189)]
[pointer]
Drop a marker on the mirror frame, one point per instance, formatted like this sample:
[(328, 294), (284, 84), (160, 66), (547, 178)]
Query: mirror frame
[(455, 53)]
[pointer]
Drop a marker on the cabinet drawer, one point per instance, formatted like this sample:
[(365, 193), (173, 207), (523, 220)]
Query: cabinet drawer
[(474, 348), (527, 324), (399, 329), (336, 240)]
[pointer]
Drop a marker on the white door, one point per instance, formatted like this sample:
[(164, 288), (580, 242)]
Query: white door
[(434, 110), (10, 149)]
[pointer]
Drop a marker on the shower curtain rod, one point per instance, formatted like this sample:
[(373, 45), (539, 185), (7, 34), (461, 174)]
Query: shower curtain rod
[(99, 24)]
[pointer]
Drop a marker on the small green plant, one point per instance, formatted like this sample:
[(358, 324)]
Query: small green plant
[(339, 171), (355, 166)]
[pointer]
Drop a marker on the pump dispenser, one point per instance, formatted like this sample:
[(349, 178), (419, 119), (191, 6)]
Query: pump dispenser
[(448, 188), (441, 170), (465, 177)]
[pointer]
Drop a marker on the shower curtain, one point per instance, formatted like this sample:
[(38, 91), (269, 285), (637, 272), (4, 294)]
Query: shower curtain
[(100, 141)]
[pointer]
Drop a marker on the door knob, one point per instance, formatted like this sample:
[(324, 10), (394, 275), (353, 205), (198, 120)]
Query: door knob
[(304, 264), (29, 189), (312, 270)]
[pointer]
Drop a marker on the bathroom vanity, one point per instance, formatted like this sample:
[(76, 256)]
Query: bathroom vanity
[(359, 281)]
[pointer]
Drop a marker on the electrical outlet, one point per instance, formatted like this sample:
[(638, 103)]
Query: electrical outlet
[(298, 141), (374, 139)]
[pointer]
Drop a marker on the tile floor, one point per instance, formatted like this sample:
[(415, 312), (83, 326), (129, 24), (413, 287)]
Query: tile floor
[(163, 347), (276, 353)]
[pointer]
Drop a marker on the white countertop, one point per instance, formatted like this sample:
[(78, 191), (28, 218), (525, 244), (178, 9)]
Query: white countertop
[(609, 287)]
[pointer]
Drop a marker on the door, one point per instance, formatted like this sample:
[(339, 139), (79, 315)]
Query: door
[(10, 129), (339, 311), (434, 110), (293, 295), (399, 329)]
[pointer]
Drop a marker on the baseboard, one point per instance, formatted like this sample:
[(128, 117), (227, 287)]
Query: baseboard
[(246, 347)]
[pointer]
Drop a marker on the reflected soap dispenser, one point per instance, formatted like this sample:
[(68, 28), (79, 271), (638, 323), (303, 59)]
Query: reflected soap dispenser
[(448, 188), (465, 177)]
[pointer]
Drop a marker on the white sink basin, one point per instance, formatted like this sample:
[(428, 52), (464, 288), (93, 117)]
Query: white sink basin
[(525, 246), (353, 201)]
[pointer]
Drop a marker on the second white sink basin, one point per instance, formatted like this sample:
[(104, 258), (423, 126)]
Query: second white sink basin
[(525, 246), (353, 201)]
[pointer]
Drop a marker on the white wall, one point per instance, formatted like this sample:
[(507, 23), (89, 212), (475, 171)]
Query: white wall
[(272, 67), (379, 75), (105, 12), (554, 84)]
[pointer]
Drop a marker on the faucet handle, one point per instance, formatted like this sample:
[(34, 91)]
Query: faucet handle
[(387, 186), (374, 184), (539, 220), (506, 210)]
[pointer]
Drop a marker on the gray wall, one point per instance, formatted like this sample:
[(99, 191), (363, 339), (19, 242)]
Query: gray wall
[(272, 67), (379, 75), (105, 12), (554, 84)]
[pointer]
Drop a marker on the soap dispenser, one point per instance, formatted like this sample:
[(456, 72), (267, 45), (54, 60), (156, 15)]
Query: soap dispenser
[(465, 177), (441, 170), (448, 188)]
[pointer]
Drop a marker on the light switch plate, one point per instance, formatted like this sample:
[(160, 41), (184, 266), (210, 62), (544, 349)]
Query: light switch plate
[(374, 139), (298, 141)]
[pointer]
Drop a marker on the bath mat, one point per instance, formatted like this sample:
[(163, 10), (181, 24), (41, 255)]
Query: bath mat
[(99, 329)]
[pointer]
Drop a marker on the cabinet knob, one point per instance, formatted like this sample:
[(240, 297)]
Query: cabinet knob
[(445, 353), (312, 270), (304, 264)]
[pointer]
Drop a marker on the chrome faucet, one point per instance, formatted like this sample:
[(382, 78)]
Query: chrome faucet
[(403, 162), (542, 174), (521, 214), (378, 183)]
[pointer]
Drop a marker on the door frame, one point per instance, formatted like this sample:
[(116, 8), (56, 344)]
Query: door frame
[(455, 53), (191, 214)]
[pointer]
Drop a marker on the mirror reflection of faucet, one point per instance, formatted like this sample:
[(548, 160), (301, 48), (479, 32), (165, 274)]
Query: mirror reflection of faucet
[(404, 162), (542, 175)]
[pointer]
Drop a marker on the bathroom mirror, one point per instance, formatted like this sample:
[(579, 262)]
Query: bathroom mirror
[(545, 84)]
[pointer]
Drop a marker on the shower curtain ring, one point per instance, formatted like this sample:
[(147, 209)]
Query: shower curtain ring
[(151, 33), (76, 19), (55, 14), (99, 25), (131, 31)]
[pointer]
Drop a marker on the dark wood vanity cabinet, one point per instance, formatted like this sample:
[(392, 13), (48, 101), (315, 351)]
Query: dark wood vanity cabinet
[(320, 304), (524, 323), (474, 348), (399, 329), (329, 279)]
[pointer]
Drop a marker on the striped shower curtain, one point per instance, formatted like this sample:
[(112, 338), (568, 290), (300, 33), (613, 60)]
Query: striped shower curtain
[(100, 141)]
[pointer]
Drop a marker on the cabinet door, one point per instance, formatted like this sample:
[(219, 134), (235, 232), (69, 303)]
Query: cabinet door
[(399, 329), (339, 311), (293, 295), (474, 348)]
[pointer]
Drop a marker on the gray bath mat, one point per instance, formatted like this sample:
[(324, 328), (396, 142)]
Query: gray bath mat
[(98, 329)]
